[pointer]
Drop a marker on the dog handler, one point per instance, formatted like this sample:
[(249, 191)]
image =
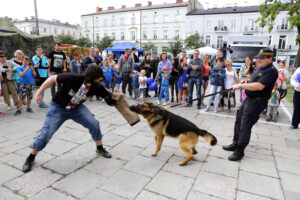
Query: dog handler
[(67, 103), (258, 91)]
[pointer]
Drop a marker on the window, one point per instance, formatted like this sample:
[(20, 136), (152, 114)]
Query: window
[(122, 21), (177, 17), (177, 34), (165, 34), (155, 19), (55, 30), (122, 35), (63, 32), (166, 18), (220, 24), (155, 32), (86, 23), (233, 22), (284, 24), (69, 32), (97, 23), (45, 30), (113, 35), (207, 40), (87, 36), (251, 23), (208, 24), (282, 42), (105, 22), (145, 19), (132, 20), (270, 39), (97, 37), (132, 34), (105, 34), (73, 33), (113, 21), (219, 41), (145, 35)]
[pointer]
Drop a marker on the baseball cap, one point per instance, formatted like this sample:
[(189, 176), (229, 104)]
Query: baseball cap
[(265, 52)]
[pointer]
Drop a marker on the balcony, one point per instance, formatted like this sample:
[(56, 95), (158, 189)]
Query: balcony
[(221, 29), (282, 27), (250, 29)]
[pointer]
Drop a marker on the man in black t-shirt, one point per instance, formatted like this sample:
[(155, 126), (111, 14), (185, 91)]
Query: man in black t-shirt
[(67, 103), (57, 63), (258, 91)]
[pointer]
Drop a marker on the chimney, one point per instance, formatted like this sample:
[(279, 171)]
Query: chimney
[(123, 6), (98, 9), (138, 5), (179, 1), (110, 8), (149, 3)]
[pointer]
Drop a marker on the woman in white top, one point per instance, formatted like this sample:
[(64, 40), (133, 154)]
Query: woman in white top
[(231, 78), (283, 76)]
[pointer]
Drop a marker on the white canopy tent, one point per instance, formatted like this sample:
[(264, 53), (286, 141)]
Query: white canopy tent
[(208, 50)]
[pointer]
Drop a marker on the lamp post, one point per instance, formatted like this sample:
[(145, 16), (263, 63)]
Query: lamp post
[(36, 19)]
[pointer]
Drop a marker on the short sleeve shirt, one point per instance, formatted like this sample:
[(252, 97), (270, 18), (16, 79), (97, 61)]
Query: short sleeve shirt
[(266, 76), (57, 61), (142, 83), (28, 78)]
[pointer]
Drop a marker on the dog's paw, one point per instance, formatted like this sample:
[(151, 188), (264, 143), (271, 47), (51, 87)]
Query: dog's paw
[(182, 164), (154, 154)]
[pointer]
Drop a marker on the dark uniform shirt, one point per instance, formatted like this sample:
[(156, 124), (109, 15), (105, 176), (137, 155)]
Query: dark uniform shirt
[(266, 76)]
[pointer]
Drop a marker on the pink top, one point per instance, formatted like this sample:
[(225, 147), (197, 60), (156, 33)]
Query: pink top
[(205, 70)]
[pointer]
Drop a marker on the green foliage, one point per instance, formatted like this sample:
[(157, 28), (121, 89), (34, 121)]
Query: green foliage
[(66, 39), (106, 42), (175, 47), (84, 42), (194, 41), (148, 46)]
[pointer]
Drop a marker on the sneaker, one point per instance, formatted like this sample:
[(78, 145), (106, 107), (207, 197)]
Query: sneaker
[(43, 105), (158, 102), (2, 113), (188, 105), (18, 112), (205, 109), (292, 127), (9, 108), (99, 99), (29, 110), (27, 165), (166, 103), (103, 101), (198, 107), (90, 99), (104, 153)]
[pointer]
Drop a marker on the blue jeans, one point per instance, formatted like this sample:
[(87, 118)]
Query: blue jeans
[(57, 115), (195, 81), (164, 90), (214, 89), (106, 84)]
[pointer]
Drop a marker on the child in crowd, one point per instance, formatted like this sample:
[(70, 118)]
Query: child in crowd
[(142, 85), (108, 72), (273, 105), (182, 84), (164, 90), (27, 74), (135, 83), (118, 79)]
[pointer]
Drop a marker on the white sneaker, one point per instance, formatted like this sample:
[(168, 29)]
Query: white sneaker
[(9, 108), (103, 101), (166, 103), (158, 102)]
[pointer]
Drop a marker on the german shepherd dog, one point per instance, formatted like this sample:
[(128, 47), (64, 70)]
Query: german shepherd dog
[(164, 123)]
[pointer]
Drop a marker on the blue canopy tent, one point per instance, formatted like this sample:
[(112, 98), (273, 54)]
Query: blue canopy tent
[(119, 48)]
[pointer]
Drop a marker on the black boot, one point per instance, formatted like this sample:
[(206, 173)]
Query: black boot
[(238, 154), (230, 147), (28, 163)]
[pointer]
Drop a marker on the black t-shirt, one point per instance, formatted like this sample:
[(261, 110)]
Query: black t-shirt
[(57, 61), (74, 92), (266, 76)]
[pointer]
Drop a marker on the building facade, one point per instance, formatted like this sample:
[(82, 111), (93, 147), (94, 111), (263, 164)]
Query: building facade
[(217, 24), (158, 24), (47, 27)]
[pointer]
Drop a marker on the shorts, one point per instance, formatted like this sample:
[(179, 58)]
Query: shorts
[(26, 90), (205, 79)]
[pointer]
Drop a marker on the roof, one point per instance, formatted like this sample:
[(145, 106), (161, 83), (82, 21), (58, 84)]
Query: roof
[(7, 28), (158, 6), (226, 10), (54, 22), (121, 46)]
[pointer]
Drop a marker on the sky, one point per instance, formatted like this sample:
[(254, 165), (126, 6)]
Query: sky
[(71, 10)]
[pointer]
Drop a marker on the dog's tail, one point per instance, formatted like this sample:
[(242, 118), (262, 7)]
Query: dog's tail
[(209, 138)]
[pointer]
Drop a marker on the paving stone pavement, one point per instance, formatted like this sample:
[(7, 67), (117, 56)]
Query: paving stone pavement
[(69, 169)]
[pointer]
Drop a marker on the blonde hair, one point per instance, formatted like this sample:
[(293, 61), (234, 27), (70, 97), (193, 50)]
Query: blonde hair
[(18, 52), (228, 61), (143, 72)]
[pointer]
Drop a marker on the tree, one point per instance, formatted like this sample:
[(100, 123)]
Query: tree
[(84, 42), (269, 11), (66, 39), (175, 47), (104, 43), (148, 47), (194, 41)]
